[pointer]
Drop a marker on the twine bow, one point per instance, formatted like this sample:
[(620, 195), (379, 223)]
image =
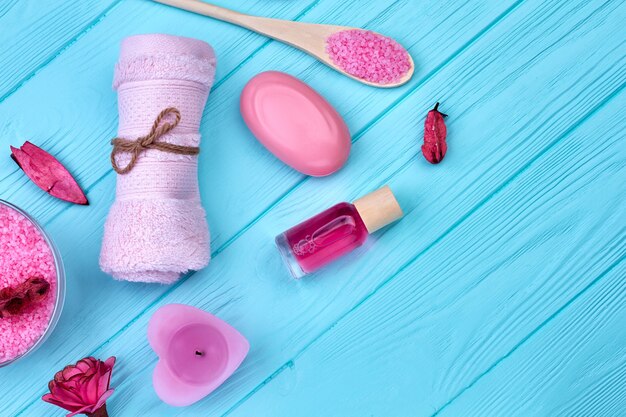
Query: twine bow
[(149, 141)]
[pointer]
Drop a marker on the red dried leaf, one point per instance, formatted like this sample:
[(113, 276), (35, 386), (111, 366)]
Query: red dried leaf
[(13, 300), (434, 147), (48, 173)]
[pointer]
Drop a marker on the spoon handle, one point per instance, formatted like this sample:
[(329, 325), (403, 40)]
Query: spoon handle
[(265, 26), (306, 36), (206, 9)]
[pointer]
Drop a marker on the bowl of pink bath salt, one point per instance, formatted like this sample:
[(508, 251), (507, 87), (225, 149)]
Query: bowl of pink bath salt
[(32, 284)]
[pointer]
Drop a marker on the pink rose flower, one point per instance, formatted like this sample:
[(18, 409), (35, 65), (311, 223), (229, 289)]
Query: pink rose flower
[(82, 388)]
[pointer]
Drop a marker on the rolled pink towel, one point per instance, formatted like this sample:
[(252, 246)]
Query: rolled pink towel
[(156, 229)]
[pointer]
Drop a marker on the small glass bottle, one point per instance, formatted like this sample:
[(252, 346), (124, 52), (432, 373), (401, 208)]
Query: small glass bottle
[(336, 231)]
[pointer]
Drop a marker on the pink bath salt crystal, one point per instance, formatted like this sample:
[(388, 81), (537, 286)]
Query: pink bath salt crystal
[(24, 254), (368, 55)]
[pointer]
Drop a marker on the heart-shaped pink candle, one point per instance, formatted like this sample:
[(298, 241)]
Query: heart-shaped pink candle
[(197, 353)]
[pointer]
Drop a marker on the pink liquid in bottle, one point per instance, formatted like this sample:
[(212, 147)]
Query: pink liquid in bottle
[(336, 231), (322, 239)]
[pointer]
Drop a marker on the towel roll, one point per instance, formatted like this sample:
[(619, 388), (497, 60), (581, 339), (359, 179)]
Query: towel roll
[(157, 229)]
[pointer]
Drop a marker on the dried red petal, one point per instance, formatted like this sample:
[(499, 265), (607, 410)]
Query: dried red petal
[(14, 300), (48, 173), (37, 289), (434, 147)]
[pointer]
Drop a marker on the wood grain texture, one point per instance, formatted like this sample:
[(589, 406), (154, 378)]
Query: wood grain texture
[(34, 33), (520, 77), (80, 103), (429, 336), (236, 148), (575, 366), (228, 144)]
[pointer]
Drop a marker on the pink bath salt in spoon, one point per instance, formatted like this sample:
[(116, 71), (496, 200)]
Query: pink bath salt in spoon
[(363, 55), (371, 57)]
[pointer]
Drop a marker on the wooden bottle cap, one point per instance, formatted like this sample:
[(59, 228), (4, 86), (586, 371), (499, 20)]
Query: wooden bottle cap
[(378, 209)]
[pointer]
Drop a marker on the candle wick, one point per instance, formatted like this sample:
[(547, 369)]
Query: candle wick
[(198, 353)]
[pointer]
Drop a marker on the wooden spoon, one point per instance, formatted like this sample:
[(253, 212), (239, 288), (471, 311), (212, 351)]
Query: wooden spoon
[(308, 37)]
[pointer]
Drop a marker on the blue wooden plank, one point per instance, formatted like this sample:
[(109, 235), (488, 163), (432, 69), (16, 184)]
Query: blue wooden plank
[(227, 138), (481, 294), (79, 82), (88, 224), (231, 289), (35, 33), (322, 298), (227, 282), (575, 366)]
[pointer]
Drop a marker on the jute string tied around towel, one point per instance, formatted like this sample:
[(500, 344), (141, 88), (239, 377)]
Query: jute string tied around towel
[(150, 141)]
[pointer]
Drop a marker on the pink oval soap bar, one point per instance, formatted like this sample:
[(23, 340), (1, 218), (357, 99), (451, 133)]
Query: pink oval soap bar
[(295, 123)]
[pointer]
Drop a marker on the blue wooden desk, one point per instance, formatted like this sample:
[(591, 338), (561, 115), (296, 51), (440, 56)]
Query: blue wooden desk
[(501, 293)]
